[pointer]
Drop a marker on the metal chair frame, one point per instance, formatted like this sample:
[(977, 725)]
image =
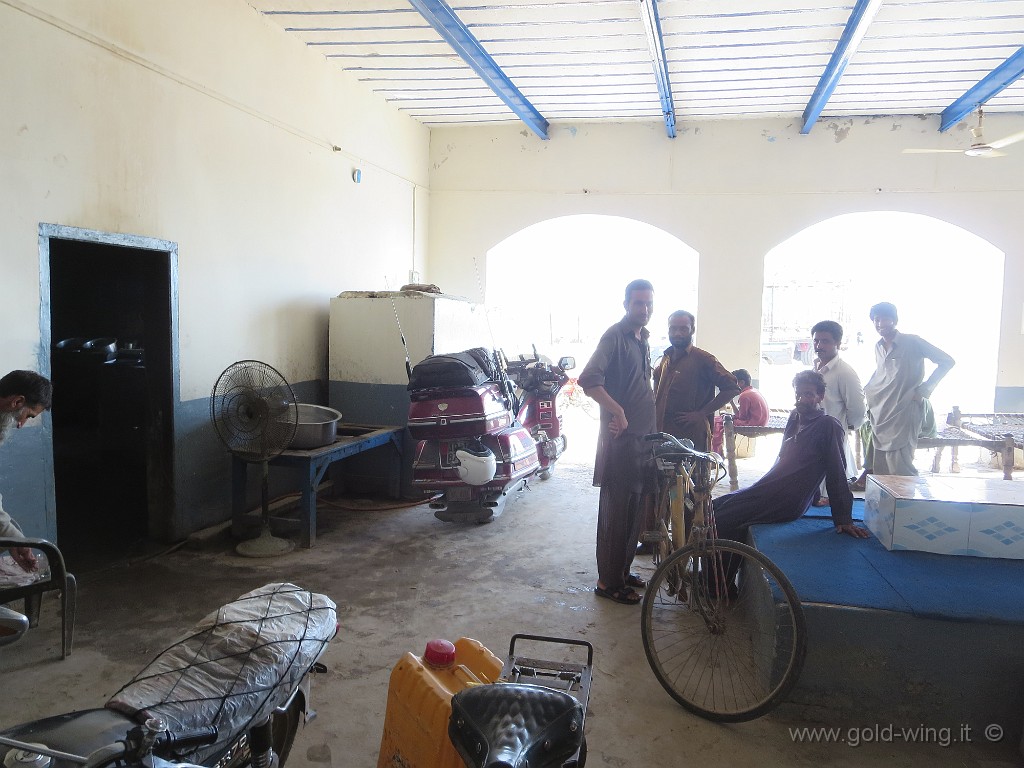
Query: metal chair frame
[(59, 580)]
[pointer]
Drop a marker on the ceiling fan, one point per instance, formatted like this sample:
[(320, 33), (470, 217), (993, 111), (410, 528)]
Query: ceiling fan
[(980, 147)]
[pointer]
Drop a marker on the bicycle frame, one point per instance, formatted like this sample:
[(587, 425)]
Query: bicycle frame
[(687, 475)]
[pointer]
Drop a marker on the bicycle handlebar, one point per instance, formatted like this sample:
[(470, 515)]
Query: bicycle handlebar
[(683, 446)]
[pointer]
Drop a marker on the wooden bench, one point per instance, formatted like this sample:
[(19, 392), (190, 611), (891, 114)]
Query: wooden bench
[(777, 421), (312, 464), (999, 433)]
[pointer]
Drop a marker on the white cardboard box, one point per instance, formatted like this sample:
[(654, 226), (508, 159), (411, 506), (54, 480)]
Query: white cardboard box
[(947, 515)]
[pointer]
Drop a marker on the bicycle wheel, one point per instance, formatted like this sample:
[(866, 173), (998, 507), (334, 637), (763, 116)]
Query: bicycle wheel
[(730, 643)]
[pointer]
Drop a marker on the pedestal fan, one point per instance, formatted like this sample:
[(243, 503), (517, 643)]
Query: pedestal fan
[(254, 412)]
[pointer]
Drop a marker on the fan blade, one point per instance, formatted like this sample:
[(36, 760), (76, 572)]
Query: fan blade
[(931, 151), (1005, 142)]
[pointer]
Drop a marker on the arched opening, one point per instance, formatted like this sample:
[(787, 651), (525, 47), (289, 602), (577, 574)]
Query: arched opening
[(931, 270), (559, 283)]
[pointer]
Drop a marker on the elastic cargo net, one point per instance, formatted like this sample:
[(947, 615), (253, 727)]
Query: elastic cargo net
[(235, 666)]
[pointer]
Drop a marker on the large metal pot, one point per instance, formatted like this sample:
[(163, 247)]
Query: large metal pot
[(104, 347), (74, 344), (318, 426)]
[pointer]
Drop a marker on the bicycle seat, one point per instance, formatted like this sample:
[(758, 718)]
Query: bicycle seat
[(513, 725)]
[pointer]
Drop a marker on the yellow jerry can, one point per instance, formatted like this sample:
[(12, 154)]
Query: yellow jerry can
[(420, 702)]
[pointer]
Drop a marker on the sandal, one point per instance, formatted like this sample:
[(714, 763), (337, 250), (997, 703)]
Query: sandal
[(636, 581), (623, 595)]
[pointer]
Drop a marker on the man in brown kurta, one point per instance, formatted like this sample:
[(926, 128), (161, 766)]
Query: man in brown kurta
[(618, 377), (685, 383)]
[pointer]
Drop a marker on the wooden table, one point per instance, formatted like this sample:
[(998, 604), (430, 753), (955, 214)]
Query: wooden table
[(313, 463)]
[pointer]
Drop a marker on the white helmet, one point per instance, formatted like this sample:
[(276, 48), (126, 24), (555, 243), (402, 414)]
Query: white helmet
[(476, 464)]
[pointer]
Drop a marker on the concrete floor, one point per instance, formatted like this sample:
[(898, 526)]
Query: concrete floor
[(401, 577)]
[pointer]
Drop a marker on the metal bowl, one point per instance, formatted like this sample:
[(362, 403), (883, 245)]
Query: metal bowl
[(318, 426)]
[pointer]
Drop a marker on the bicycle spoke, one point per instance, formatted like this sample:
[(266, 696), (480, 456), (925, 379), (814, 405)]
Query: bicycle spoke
[(727, 658)]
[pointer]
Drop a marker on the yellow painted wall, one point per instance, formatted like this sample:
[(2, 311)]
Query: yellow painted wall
[(199, 123)]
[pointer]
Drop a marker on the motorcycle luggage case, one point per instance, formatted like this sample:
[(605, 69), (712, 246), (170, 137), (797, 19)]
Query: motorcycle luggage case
[(457, 412), (434, 466)]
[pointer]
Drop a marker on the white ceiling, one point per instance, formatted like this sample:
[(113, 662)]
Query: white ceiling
[(589, 60)]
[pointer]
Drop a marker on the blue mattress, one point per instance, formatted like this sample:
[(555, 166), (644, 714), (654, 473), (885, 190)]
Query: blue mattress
[(830, 568)]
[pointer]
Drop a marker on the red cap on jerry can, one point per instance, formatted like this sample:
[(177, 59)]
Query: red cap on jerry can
[(439, 653)]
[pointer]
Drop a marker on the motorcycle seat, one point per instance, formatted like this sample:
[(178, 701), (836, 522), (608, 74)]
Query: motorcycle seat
[(513, 725), (236, 665)]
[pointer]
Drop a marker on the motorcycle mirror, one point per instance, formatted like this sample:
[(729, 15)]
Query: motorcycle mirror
[(567, 363)]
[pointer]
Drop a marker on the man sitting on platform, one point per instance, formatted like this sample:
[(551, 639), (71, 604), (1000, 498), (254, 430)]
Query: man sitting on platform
[(751, 410), (812, 449)]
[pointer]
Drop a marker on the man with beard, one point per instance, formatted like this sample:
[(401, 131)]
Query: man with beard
[(685, 383), (812, 450), (23, 396), (618, 377)]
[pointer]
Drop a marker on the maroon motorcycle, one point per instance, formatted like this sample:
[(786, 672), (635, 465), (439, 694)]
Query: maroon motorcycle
[(483, 427)]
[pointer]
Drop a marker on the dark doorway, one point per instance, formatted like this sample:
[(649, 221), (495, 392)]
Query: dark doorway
[(111, 361)]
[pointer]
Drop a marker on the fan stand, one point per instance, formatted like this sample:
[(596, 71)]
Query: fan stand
[(266, 544)]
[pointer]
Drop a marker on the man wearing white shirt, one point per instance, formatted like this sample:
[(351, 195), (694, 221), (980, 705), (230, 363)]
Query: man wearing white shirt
[(844, 396), (896, 392)]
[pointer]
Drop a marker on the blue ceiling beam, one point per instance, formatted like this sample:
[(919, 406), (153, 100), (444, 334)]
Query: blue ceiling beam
[(991, 84), (861, 18), (449, 26), (656, 48)]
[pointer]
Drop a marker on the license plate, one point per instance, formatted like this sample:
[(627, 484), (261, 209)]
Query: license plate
[(459, 494)]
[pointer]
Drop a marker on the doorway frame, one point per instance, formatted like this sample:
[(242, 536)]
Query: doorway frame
[(159, 520)]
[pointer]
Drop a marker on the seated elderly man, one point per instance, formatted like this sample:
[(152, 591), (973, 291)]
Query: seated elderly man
[(812, 450), (23, 396)]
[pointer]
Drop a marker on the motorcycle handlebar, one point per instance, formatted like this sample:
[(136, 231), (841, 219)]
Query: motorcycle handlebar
[(168, 742), (164, 744)]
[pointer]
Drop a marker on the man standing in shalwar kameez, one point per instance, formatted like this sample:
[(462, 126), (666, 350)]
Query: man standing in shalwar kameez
[(618, 377), (896, 391)]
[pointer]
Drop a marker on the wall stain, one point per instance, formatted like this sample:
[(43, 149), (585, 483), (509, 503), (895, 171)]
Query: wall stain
[(840, 132)]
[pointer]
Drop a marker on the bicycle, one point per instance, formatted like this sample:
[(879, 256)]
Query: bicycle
[(722, 626)]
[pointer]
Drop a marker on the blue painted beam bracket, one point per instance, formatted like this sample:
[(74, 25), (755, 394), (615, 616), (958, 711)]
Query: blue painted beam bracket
[(857, 26), (991, 84), (450, 27), (656, 48)]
